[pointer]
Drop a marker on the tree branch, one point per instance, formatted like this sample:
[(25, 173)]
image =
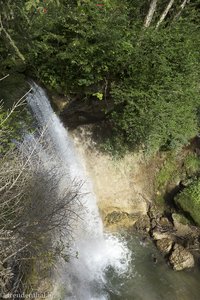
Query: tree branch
[(165, 12), (182, 6), (20, 102), (15, 253), (4, 77), (12, 42)]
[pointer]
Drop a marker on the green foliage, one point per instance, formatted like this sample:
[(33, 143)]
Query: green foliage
[(160, 93), (82, 50), (192, 164), (39, 6), (114, 145), (98, 95), (13, 122), (189, 200), (11, 129), (176, 168), (75, 51)]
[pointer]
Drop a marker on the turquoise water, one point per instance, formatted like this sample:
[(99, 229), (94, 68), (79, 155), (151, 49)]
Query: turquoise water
[(147, 280)]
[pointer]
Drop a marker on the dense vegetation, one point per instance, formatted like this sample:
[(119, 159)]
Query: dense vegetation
[(139, 59), (116, 52)]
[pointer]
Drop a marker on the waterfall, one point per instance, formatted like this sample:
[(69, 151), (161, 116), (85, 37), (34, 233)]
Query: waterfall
[(96, 251)]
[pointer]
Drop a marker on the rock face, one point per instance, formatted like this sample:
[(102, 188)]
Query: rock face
[(78, 111), (181, 258), (125, 193), (121, 185)]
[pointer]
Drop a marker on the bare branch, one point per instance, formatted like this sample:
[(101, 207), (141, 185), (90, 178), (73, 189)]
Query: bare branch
[(17, 104), (4, 77), (15, 253), (33, 207)]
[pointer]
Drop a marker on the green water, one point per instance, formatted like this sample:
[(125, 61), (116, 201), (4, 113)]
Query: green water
[(147, 280)]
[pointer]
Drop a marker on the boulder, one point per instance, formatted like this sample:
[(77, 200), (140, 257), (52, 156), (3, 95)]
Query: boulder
[(178, 218), (157, 235), (120, 219), (164, 245), (181, 224), (143, 224), (181, 258)]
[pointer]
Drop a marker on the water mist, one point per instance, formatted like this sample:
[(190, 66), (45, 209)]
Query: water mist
[(96, 251)]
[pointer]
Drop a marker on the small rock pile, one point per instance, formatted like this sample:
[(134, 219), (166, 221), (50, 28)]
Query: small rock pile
[(174, 240)]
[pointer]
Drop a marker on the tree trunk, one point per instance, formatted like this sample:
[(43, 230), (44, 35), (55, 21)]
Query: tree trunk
[(149, 17), (182, 6), (165, 12), (12, 42)]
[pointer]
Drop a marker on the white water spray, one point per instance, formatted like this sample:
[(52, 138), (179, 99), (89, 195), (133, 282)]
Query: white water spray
[(84, 275)]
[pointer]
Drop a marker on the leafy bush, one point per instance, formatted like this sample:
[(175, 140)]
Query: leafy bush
[(160, 93)]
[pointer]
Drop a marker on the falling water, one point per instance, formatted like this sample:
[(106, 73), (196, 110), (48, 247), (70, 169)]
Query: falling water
[(96, 251)]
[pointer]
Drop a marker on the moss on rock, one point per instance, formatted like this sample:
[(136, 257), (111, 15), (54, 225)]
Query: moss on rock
[(189, 200)]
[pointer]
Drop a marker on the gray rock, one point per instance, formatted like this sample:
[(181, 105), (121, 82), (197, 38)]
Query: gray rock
[(181, 258)]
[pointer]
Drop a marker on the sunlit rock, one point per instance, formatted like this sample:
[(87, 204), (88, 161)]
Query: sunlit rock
[(181, 258), (164, 245)]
